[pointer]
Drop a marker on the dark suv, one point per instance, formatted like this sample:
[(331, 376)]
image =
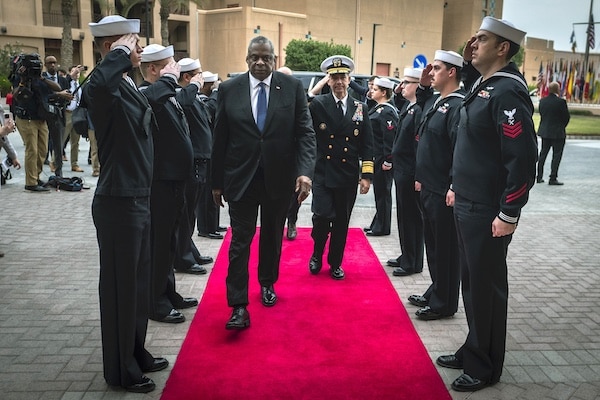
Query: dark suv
[(309, 80)]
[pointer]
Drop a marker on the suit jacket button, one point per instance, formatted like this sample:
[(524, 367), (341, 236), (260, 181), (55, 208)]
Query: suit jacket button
[(343, 160)]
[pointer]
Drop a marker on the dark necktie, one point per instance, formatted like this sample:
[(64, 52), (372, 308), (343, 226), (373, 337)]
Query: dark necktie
[(340, 108), (261, 107), (53, 78)]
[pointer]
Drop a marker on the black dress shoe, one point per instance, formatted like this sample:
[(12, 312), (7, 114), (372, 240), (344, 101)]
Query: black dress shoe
[(36, 188), (195, 269), (211, 235), (366, 229), (394, 262), (240, 319), (540, 180), (158, 364), (291, 231), (555, 182), (315, 264), (402, 272), (268, 296), (222, 229), (174, 317), (337, 273), (427, 314), (417, 300), (187, 302), (202, 260), (373, 233), (466, 383), (145, 386), (449, 361)]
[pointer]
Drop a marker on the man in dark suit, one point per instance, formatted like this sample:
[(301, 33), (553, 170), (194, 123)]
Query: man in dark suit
[(344, 138), (58, 100), (555, 118), (263, 141)]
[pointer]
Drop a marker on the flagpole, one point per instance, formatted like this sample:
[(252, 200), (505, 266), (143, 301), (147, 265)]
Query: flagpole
[(587, 45)]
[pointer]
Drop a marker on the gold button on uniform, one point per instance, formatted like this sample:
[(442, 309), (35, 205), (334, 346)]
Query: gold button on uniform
[(329, 157), (330, 146)]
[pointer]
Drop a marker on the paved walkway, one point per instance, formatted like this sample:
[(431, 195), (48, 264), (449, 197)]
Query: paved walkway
[(49, 320)]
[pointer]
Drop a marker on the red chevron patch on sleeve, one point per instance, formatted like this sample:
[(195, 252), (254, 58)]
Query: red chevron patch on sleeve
[(512, 131), (516, 194)]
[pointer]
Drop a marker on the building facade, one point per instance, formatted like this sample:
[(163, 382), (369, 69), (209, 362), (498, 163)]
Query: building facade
[(384, 36)]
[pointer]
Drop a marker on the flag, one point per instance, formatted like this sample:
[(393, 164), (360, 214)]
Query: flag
[(573, 41), (590, 32)]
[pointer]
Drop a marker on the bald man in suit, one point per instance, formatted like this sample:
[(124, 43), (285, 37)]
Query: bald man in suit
[(264, 148)]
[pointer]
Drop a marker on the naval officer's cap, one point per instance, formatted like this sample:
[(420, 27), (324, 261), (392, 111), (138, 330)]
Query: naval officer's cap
[(337, 65)]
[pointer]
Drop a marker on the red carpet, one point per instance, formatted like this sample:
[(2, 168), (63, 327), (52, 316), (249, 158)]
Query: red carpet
[(324, 339)]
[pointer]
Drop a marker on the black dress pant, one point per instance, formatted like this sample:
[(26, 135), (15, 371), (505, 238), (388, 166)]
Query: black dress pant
[(557, 146), (442, 253), (484, 288), (332, 208), (207, 213), (382, 190), (166, 204), (56, 129), (187, 254), (410, 223), (293, 209), (243, 215), (123, 233)]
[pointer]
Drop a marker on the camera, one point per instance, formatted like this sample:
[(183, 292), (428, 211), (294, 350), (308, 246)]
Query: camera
[(85, 67), (27, 65)]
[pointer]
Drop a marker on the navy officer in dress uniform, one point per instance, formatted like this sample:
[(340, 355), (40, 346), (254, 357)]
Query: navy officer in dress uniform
[(344, 138)]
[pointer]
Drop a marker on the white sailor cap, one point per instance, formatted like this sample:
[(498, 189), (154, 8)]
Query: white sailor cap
[(114, 25), (189, 64), (209, 76), (502, 28), (337, 65), (413, 73), (384, 83), (451, 57), (156, 52)]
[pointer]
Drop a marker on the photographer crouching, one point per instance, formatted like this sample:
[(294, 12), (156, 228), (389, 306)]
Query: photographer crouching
[(55, 117), (30, 100)]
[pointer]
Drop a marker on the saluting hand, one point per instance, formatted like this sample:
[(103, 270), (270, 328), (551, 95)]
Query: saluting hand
[(129, 40), (425, 80), (468, 50), (171, 68)]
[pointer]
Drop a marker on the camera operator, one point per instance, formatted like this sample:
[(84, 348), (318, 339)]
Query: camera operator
[(30, 93), (56, 119)]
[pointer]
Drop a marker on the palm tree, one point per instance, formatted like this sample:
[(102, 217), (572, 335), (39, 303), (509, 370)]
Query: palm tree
[(168, 6), (66, 46)]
